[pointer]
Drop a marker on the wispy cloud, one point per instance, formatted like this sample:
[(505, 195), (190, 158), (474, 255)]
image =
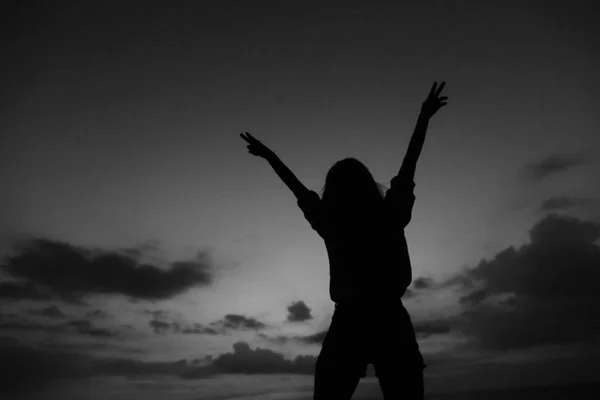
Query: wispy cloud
[(163, 323), (552, 165), (560, 203), (16, 322)]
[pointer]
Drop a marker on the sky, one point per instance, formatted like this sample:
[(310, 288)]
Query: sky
[(146, 252)]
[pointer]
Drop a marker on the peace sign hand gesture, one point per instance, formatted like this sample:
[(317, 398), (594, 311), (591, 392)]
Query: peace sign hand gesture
[(255, 147), (434, 102)]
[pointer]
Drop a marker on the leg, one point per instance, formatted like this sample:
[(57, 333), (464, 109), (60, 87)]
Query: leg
[(408, 386), (340, 364), (334, 385), (398, 362)]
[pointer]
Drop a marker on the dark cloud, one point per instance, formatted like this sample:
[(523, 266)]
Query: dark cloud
[(30, 368), (157, 313), (27, 368), (278, 339), (244, 360), (161, 325), (14, 322), (542, 293), (123, 367), (552, 165), (199, 329), (559, 203), (97, 314), (422, 283), (298, 312), (52, 269), (315, 338), (427, 328), (239, 322), (18, 290), (50, 312), (85, 327)]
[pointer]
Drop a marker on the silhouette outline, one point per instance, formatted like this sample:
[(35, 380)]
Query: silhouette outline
[(370, 268)]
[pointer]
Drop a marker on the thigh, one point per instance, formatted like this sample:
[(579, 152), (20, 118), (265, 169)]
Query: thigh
[(407, 386), (341, 362), (334, 384), (345, 346)]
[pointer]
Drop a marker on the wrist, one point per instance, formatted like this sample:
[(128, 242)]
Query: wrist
[(269, 155), (424, 116)]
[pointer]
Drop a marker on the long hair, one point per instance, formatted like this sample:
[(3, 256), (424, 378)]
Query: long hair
[(351, 193)]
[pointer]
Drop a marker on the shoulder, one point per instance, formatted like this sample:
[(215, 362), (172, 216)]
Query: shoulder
[(308, 198)]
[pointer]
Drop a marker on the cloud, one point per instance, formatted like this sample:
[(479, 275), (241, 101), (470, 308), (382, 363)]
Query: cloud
[(298, 312), (163, 327), (27, 368), (15, 322), (50, 312), (239, 322), (199, 329), (421, 283), (314, 338), (425, 329), (558, 203), (278, 339), (51, 269), (18, 291), (244, 360), (552, 165), (162, 323), (542, 293), (97, 314), (85, 327)]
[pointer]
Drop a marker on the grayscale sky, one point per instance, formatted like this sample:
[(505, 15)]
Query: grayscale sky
[(120, 124)]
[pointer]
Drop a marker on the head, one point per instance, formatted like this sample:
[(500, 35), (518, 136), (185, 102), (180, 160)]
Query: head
[(350, 189)]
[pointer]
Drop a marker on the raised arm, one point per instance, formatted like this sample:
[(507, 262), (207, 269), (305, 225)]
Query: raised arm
[(258, 149), (429, 107)]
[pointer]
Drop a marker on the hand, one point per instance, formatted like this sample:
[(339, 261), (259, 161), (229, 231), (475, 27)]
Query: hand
[(434, 102), (255, 147)]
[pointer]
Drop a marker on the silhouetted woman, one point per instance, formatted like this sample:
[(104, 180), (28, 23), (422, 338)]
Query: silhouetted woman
[(370, 269)]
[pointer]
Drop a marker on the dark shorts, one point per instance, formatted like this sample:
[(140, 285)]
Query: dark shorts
[(378, 334)]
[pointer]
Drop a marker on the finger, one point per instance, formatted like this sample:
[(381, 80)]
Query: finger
[(432, 89), (251, 139), (245, 138), (440, 89)]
